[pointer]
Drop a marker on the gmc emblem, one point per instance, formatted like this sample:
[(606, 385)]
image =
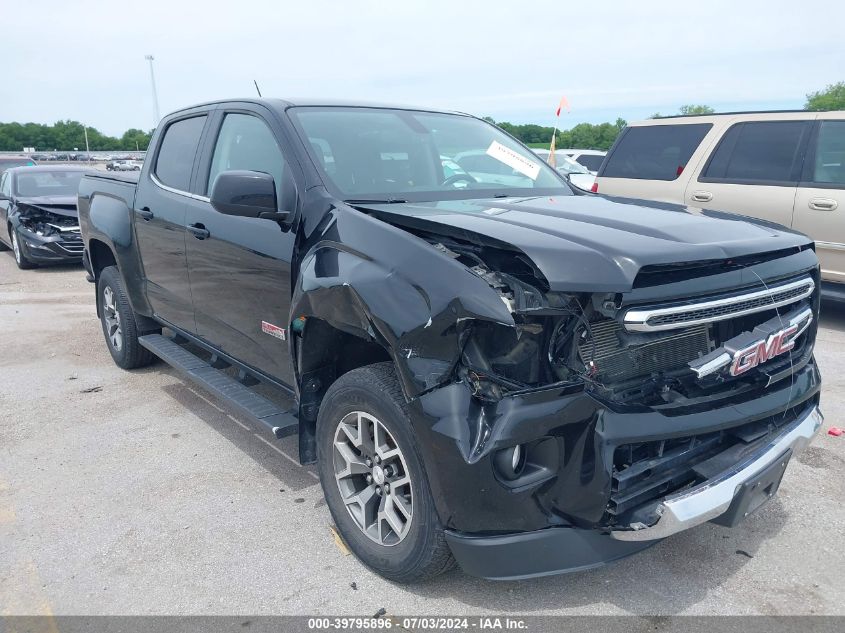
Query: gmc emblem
[(764, 350), (750, 349)]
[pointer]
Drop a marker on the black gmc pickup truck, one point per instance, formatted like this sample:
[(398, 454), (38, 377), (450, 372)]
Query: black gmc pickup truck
[(487, 368)]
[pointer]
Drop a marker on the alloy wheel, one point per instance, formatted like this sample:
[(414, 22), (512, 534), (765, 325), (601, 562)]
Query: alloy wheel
[(16, 247), (373, 478), (111, 318)]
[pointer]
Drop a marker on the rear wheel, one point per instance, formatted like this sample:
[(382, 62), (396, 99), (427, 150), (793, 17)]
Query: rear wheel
[(374, 480), (21, 259), (120, 327)]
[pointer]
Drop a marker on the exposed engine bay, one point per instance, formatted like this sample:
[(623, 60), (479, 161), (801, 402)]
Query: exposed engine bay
[(581, 337), (46, 223)]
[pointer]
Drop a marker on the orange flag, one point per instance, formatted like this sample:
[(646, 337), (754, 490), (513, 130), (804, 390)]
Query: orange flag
[(563, 104)]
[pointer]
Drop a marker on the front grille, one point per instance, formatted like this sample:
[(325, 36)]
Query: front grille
[(646, 320), (649, 471), (614, 362), (72, 243)]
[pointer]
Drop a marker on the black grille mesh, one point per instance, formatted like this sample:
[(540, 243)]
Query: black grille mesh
[(615, 363)]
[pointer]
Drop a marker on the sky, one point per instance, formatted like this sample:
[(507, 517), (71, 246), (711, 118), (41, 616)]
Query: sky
[(84, 60)]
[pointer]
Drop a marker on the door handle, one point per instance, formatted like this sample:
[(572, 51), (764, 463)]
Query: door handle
[(702, 196), (198, 231), (146, 214), (823, 204)]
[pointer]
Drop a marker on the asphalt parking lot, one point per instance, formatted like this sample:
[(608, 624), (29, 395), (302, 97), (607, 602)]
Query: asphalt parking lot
[(134, 493)]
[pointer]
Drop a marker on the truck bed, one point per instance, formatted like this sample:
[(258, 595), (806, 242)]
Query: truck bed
[(120, 176)]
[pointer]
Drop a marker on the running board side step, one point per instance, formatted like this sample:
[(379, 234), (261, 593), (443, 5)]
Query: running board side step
[(255, 407)]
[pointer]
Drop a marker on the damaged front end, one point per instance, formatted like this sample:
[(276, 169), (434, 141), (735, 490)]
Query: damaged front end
[(574, 417), (542, 412), (48, 233)]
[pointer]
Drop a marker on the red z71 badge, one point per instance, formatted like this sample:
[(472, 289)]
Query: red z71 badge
[(273, 330)]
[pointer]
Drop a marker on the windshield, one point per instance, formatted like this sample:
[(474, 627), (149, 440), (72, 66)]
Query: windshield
[(390, 155), (31, 184), (8, 163)]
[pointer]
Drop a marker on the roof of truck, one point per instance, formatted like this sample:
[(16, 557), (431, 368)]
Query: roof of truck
[(312, 101)]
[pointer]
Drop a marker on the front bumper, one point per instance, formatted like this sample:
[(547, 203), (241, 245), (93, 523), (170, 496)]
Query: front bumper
[(539, 553), (714, 497), (54, 249)]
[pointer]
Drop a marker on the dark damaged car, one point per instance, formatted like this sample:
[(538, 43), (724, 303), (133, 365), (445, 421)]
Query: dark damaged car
[(38, 216), (487, 368)]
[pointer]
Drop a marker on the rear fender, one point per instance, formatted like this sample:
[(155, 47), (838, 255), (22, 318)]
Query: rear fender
[(106, 223)]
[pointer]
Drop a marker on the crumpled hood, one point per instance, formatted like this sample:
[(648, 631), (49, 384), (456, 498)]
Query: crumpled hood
[(594, 243), (60, 205)]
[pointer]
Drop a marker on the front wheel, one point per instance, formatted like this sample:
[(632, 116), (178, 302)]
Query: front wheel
[(23, 262), (119, 324), (374, 479)]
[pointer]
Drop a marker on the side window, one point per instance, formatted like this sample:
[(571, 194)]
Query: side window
[(178, 149), (6, 184), (245, 142), (829, 164), (654, 152), (758, 151), (591, 161)]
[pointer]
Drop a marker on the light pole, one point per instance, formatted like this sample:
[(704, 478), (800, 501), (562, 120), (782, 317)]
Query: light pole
[(150, 59)]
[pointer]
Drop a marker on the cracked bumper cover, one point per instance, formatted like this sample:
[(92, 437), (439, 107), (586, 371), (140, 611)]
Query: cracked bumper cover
[(713, 497), (50, 249)]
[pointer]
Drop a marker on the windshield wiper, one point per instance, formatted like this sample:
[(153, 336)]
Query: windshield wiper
[(376, 201)]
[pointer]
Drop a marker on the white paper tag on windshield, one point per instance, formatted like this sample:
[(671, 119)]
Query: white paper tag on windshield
[(514, 160)]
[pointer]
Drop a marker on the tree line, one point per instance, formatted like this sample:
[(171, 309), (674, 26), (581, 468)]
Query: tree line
[(65, 136), (583, 135)]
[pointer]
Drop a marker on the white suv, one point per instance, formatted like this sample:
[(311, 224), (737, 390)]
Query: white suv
[(787, 167)]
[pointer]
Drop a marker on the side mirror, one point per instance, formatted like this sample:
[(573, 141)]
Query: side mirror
[(249, 194)]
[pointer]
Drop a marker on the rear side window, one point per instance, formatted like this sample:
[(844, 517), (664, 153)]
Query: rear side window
[(590, 161), (829, 164), (758, 152), (177, 151), (654, 152)]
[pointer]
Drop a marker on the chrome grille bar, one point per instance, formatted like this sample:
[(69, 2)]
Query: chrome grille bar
[(658, 319)]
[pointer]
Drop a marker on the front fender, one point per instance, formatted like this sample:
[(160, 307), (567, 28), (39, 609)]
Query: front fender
[(378, 282)]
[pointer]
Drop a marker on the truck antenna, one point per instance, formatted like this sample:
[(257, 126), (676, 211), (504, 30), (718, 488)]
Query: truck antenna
[(257, 89)]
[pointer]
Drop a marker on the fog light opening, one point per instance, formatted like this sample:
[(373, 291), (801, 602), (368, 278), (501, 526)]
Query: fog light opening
[(510, 462)]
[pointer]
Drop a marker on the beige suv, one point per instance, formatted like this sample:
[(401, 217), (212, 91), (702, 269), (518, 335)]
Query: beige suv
[(787, 167)]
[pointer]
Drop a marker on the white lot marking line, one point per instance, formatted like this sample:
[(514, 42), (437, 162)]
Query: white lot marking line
[(20, 583), (285, 455)]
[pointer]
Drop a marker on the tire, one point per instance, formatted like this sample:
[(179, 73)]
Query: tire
[(413, 547), (120, 327), (21, 259)]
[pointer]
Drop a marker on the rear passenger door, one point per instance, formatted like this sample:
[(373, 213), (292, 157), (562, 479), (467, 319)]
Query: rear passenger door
[(754, 170), (240, 270), (160, 207), (820, 201)]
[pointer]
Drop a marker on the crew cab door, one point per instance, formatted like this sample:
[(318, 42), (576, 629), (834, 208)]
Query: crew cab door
[(754, 170), (240, 268), (820, 201), (160, 207)]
